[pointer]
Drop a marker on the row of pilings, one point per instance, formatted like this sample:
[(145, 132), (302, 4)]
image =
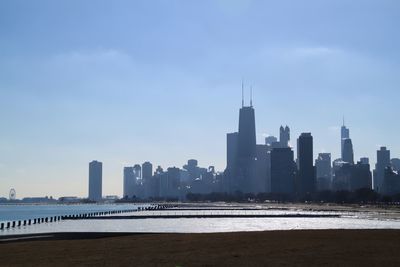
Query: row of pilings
[(27, 222)]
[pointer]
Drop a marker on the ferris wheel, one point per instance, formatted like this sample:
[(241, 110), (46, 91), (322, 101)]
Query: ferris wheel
[(13, 194)]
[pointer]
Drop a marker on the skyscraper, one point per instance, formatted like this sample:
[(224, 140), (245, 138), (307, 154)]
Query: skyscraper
[(147, 170), (347, 151), (147, 175), (350, 177), (231, 149), (260, 182), (364, 160), (246, 150), (383, 161), (282, 171), (284, 136), (129, 182), (395, 162), (95, 180), (345, 134), (271, 142), (323, 168), (138, 171), (306, 172)]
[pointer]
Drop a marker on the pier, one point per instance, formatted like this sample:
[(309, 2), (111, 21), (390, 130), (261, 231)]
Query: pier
[(7, 225)]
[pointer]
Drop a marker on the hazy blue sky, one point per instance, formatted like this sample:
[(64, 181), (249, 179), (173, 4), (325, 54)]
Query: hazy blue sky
[(128, 81)]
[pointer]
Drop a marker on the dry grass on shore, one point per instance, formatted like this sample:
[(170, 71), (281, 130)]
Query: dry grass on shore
[(289, 248)]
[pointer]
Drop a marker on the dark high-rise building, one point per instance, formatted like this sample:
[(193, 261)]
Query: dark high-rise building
[(129, 182), (259, 184), (244, 169), (361, 176), (395, 162), (95, 180), (147, 175), (283, 170), (347, 153), (345, 134), (306, 172), (247, 134), (350, 177), (391, 182), (364, 160), (231, 149), (323, 168), (193, 169), (284, 136), (138, 171), (383, 161), (271, 142), (173, 184), (147, 170)]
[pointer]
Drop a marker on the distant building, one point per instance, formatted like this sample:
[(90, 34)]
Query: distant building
[(173, 182), (323, 168), (347, 153), (345, 134), (147, 175), (246, 153), (306, 182), (271, 142), (95, 180), (395, 164), (362, 176), (147, 170), (192, 164), (391, 182), (138, 171), (129, 182), (283, 170), (260, 183), (69, 199), (364, 160), (352, 177), (383, 161), (284, 136)]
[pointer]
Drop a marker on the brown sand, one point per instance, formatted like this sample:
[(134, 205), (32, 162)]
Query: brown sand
[(284, 248)]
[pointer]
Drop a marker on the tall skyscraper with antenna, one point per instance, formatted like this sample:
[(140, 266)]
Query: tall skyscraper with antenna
[(243, 176), (345, 134)]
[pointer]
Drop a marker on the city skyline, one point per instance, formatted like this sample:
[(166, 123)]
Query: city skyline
[(122, 95)]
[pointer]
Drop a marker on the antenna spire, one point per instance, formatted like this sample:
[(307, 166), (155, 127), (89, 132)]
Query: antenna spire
[(251, 96), (242, 94), (343, 121)]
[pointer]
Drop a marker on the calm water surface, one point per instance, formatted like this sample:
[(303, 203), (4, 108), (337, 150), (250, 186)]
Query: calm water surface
[(24, 212), (348, 220)]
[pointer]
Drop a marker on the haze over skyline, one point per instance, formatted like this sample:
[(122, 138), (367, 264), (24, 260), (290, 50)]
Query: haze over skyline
[(127, 82)]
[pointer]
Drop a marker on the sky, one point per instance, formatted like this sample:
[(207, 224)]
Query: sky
[(125, 82)]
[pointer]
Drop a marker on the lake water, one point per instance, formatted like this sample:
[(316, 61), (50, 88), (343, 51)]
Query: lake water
[(24, 212), (347, 220)]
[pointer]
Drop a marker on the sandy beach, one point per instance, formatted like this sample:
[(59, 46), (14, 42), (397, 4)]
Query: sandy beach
[(274, 248)]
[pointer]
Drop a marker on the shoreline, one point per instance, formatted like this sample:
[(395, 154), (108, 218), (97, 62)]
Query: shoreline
[(294, 247)]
